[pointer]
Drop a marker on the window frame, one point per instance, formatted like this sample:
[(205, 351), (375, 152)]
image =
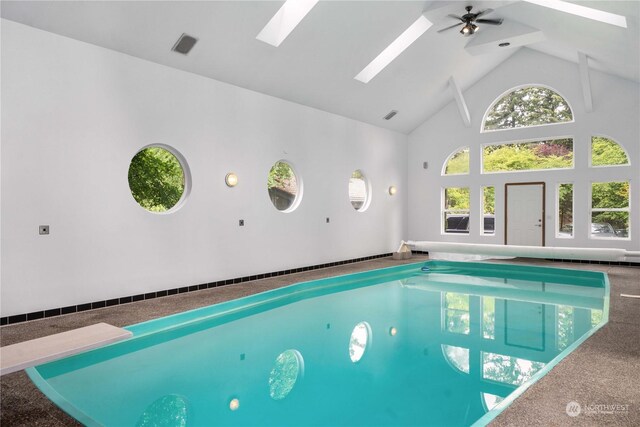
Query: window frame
[(591, 210), (591, 165), (513, 89), (443, 172), (298, 198), (526, 141), (557, 210), (444, 211)]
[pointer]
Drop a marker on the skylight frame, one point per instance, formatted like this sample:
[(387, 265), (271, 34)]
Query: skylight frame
[(583, 11), (286, 19), (391, 52)]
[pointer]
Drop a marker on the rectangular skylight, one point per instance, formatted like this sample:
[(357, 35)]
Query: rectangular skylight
[(285, 20), (585, 12), (392, 51)]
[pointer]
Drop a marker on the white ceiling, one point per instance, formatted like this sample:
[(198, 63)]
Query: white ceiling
[(316, 64)]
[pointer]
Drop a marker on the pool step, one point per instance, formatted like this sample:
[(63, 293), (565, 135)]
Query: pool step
[(23, 355)]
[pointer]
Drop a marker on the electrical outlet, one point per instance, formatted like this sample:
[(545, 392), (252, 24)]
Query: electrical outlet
[(241, 223), (43, 229), (328, 220)]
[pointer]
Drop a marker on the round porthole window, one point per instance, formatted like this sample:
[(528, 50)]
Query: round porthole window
[(288, 368), (159, 178), (285, 189), (360, 339), (359, 191)]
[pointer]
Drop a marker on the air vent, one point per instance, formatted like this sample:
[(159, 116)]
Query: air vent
[(390, 115), (184, 44)]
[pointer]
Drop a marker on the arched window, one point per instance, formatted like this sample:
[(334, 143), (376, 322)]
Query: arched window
[(457, 163), (607, 152), (527, 106)]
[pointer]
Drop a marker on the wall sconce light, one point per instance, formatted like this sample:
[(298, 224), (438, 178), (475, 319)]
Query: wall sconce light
[(231, 179), (392, 190), (393, 331)]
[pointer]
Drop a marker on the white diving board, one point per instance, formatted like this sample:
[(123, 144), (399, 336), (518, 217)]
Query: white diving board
[(30, 353)]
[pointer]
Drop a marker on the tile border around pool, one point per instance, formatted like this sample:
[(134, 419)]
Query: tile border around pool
[(19, 318)]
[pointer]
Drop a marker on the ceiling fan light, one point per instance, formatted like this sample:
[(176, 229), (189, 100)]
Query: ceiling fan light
[(468, 29)]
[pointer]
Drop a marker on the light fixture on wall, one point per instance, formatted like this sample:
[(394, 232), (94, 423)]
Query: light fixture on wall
[(392, 190), (231, 179)]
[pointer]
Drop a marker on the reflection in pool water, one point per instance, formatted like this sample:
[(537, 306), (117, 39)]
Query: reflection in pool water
[(284, 374), (466, 343), (168, 411)]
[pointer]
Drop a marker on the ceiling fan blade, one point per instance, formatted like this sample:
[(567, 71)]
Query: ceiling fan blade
[(456, 17), (450, 27), (489, 21), (483, 12)]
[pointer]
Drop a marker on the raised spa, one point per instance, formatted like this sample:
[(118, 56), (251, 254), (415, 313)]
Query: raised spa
[(435, 343)]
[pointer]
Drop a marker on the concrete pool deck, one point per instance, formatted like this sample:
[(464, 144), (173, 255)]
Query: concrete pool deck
[(602, 375)]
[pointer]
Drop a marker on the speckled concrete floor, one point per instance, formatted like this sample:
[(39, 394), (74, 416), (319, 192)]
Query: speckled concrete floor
[(604, 370)]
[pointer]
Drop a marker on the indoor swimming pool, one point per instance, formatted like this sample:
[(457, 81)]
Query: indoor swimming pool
[(429, 343)]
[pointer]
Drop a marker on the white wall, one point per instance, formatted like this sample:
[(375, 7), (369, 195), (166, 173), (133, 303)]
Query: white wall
[(615, 114), (73, 116)]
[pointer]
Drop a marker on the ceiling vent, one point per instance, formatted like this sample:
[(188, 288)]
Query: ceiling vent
[(184, 44), (390, 115)]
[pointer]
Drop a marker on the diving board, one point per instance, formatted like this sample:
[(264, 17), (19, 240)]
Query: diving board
[(30, 353)]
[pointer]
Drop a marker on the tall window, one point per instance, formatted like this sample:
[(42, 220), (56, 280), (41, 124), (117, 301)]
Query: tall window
[(606, 152), (565, 211), (457, 163), (526, 156), (488, 210), (610, 209), (527, 106), (456, 210)]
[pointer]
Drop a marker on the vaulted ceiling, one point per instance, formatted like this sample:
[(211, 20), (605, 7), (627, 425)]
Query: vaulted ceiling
[(316, 64)]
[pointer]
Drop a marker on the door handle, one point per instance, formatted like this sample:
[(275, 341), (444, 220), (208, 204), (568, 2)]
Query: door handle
[(538, 225)]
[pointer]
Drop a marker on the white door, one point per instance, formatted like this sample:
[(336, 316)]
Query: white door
[(525, 214)]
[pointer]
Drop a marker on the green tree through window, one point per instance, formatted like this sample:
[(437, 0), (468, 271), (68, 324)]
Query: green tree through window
[(156, 179), (605, 152), (528, 106)]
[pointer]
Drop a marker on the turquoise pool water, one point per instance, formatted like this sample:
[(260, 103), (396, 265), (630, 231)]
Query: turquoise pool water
[(435, 343)]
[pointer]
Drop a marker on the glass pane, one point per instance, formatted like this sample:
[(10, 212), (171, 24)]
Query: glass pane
[(284, 374), (358, 193), (565, 210), (457, 356), (610, 224), (488, 317), (156, 179), (282, 185), (456, 312), (488, 210), (537, 155), (565, 326), (508, 369), (528, 106), (606, 152), (610, 195), (458, 163)]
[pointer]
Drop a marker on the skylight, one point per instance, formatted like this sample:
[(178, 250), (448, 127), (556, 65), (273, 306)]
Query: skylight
[(285, 20), (585, 12), (392, 51)]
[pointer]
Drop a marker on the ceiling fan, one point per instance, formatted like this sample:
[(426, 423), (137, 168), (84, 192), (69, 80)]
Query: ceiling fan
[(470, 19)]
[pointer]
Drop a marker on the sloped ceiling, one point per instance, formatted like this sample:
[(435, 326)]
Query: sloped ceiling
[(316, 64)]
